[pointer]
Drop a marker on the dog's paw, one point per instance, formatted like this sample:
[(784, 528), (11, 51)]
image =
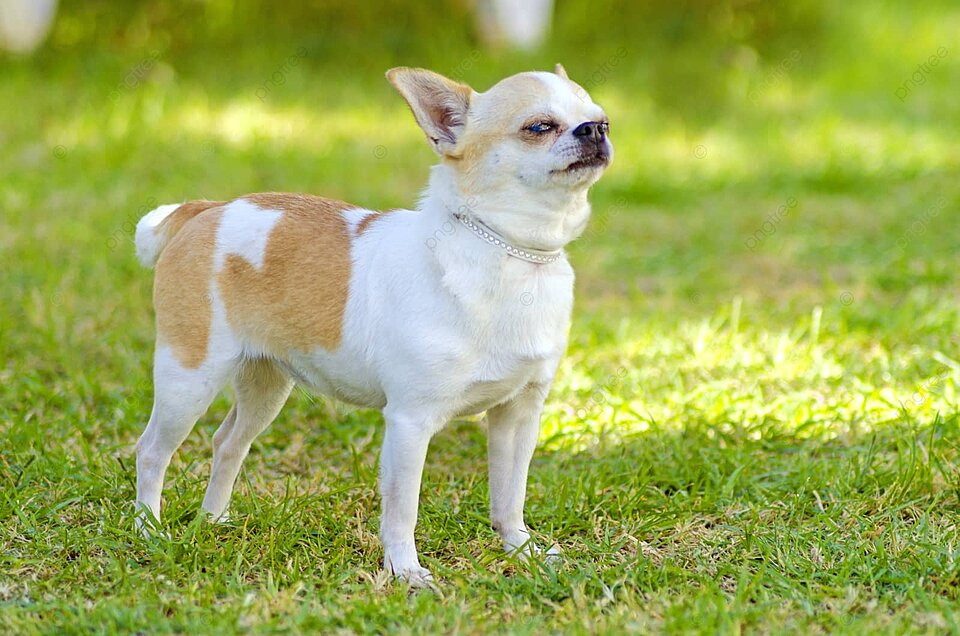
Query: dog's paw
[(551, 554), (148, 526), (520, 546), (418, 577), (224, 517), (401, 560), (149, 530), (531, 551)]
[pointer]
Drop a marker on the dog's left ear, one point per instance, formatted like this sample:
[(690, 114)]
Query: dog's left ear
[(559, 70), (439, 104)]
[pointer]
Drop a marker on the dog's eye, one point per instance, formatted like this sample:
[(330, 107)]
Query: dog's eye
[(541, 127)]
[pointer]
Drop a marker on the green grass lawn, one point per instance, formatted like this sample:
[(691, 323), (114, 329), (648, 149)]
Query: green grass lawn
[(755, 428)]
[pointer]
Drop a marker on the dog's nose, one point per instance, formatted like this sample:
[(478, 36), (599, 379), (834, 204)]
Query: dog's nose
[(590, 130)]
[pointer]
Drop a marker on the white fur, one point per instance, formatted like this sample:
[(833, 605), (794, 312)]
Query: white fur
[(150, 243), (354, 216), (438, 324), (244, 229)]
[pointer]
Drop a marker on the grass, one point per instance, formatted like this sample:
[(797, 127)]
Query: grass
[(756, 426)]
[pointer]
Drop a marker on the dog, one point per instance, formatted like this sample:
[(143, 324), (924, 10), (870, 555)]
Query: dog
[(457, 308)]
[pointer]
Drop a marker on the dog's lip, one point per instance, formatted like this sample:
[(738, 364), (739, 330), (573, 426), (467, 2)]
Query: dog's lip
[(597, 160)]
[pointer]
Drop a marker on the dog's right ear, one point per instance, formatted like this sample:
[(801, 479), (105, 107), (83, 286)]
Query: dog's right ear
[(439, 104)]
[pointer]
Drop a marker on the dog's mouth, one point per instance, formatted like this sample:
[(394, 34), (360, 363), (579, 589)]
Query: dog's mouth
[(597, 160)]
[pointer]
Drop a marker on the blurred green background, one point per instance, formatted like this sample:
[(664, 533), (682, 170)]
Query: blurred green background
[(763, 360)]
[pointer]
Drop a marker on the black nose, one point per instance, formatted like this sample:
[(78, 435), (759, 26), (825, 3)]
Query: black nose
[(594, 130)]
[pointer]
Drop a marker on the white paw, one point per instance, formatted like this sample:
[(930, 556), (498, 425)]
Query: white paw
[(520, 546), (224, 517), (400, 559), (150, 529), (415, 577), (551, 555)]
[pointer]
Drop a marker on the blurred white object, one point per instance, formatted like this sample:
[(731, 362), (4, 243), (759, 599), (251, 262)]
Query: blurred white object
[(520, 23), (25, 23)]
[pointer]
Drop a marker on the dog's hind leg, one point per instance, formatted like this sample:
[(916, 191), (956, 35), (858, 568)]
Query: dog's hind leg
[(181, 396), (221, 434), (262, 388)]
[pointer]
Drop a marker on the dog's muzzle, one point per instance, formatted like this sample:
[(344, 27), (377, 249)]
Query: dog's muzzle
[(594, 146)]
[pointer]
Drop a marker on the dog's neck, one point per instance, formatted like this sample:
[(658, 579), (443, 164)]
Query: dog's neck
[(542, 222)]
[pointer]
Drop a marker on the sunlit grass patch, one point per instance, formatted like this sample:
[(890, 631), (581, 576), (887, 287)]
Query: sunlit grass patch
[(803, 379)]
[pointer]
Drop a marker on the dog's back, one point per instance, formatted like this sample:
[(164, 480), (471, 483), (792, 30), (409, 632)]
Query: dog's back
[(265, 259)]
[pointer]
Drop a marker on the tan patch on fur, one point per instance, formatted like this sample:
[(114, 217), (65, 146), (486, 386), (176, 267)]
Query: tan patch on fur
[(179, 217), (298, 299), (500, 115), (367, 220), (181, 287), (512, 98)]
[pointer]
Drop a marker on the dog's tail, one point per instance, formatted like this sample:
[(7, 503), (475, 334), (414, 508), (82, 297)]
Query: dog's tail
[(158, 227)]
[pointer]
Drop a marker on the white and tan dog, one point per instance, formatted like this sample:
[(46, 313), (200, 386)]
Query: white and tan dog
[(460, 307)]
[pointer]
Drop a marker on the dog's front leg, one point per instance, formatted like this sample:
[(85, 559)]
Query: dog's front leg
[(512, 437), (401, 468)]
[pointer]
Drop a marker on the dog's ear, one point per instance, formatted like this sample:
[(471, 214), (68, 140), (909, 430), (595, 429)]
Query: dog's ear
[(559, 70), (439, 104)]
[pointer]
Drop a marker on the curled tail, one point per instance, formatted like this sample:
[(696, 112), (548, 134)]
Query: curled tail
[(158, 227)]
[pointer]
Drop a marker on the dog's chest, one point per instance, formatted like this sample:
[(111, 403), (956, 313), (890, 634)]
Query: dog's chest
[(516, 332)]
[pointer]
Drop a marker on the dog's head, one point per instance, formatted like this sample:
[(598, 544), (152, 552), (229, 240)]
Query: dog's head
[(529, 134)]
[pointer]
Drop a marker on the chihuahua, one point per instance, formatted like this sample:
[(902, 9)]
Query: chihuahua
[(457, 308)]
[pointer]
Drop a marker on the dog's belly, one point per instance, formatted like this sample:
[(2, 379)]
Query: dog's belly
[(338, 378), (469, 387)]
